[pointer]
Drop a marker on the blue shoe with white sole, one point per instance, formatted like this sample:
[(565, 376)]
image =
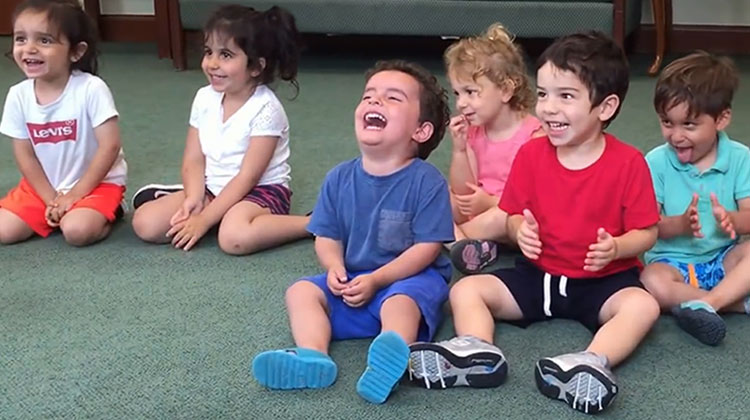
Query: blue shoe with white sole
[(387, 360), (296, 368)]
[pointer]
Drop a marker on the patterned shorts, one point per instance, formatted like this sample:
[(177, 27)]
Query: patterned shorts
[(702, 275)]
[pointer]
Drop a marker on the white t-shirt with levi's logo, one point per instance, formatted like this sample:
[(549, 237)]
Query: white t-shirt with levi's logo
[(224, 143), (62, 132)]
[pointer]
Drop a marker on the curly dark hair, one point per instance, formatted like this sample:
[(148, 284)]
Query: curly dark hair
[(433, 99)]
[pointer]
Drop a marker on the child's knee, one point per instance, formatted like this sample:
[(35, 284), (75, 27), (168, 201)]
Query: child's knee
[(303, 291), (81, 234), (235, 241), (466, 290), (147, 229)]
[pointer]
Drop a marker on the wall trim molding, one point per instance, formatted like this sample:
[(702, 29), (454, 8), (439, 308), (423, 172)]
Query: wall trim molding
[(128, 28), (719, 39)]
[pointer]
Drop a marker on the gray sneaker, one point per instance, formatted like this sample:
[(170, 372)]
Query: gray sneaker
[(460, 361), (582, 380)]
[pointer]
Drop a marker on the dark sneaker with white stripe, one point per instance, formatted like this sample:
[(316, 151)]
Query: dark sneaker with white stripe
[(582, 380), (460, 361), (153, 191), (471, 256)]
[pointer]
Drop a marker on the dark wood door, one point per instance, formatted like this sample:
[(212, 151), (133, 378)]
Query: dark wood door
[(6, 10)]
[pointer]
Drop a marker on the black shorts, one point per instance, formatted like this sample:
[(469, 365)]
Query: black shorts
[(542, 296)]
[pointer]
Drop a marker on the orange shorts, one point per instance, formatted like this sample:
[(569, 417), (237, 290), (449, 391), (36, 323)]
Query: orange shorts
[(25, 203)]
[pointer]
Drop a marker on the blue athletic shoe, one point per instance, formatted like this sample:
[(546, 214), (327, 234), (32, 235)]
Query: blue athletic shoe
[(295, 368), (387, 360), (701, 321)]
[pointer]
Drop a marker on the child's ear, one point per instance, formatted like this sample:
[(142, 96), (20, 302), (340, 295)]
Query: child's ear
[(508, 89), (259, 67), (723, 120), (608, 107), (423, 132), (78, 51)]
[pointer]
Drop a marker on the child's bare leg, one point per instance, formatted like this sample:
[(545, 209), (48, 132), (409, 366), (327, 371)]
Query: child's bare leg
[(730, 293), (12, 228), (308, 365), (400, 314), (151, 220), (667, 285), (248, 227), (489, 225), (84, 226), (626, 317), (308, 317), (476, 301)]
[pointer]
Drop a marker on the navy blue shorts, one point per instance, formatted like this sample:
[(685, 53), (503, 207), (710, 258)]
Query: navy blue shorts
[(427, 288), (542, 296)]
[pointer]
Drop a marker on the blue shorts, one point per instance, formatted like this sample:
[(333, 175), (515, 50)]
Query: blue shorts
[(427, 288), (702, 275)]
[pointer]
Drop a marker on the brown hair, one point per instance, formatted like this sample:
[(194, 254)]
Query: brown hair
[(495, 56), (705, 82), (597, 60), (433, 100)]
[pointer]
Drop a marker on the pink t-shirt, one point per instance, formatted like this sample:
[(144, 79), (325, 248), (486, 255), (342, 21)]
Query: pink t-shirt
[(494, 158)]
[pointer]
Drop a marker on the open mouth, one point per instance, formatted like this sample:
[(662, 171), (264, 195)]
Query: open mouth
[(32, 62), (557, 126), (684, 154), (375, 121)]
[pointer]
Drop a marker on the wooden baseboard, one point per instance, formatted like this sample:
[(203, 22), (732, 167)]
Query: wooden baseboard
[(717, 39), (127, 28)]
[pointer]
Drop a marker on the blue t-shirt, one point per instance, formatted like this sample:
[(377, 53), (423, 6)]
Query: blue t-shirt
[(376, 218), (674, 185)]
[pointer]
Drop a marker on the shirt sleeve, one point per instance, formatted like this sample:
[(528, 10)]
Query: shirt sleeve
[(639, 202), (433, 221), (515, 195), (99, 102), (270, 121), (13, 123), (195, 110), (655, 160), (742, 183), (324, 217)]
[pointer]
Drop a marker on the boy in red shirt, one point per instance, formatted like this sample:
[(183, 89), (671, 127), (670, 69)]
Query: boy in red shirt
[(581, 207)]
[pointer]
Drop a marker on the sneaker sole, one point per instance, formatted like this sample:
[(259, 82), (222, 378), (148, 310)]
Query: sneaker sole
[(284, 370), (555, 383), (172, 188), (458, 261), (387, 360), (435, 367), (705, 326)]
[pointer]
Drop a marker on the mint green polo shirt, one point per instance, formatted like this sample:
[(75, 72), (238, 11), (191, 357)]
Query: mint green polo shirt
[(674, 185)]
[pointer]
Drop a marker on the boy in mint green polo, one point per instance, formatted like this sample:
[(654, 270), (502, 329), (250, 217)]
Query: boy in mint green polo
[(702, 183)]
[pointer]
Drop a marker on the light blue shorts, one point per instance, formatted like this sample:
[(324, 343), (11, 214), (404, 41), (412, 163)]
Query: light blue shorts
[(427, 288), (703, 275)]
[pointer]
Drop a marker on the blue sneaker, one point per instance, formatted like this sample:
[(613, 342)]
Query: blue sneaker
[(386, 363), (295, 368), (701, 321)]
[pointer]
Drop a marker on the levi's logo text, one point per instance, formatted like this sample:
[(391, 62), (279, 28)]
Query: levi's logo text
[(53, 132)]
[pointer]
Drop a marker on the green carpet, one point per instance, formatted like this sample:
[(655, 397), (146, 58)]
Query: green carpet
[(124, 329)]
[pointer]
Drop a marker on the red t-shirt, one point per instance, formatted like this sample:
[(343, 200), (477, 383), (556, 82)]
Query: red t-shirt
[(615, 193)]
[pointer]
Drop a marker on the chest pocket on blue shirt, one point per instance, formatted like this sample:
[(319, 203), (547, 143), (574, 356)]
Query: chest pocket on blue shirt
[(394, 230)]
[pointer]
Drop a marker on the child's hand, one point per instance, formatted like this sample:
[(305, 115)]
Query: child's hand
[(57, 209), (336, 280), (189, 207), (186, 234), (692, 221), (458, 127), (601, 253), (360, 290), (722, 217), (528, 236), (476, 202)]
